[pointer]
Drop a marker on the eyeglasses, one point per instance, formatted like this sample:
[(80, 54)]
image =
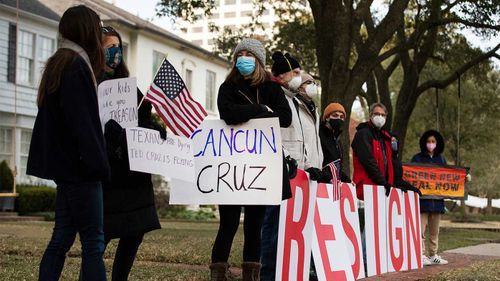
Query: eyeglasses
[(379, 114), (107, 29)]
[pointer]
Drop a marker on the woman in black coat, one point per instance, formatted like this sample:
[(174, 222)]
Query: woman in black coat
[(247, 93), (68, 147), (129, 209)]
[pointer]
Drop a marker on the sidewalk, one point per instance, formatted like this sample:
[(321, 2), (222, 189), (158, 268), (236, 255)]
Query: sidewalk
[(457, 258), (485, 225)]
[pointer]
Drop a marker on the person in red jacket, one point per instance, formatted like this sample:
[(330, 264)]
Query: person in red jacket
[(372, 152)]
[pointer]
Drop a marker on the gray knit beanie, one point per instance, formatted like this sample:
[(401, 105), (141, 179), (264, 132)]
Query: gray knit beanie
[(254, 46)]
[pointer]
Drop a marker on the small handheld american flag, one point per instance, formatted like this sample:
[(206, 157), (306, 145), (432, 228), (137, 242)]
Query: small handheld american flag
[(173, 102), (335, 181)]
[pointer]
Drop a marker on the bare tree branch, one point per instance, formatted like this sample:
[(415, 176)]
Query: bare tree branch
[(440, 84), (465, 23)]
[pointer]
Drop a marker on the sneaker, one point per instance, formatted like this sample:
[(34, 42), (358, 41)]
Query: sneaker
[(426, 261), (437, 260)]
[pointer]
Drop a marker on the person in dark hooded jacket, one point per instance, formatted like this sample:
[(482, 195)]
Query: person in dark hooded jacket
[(129, 208), (431, 149)]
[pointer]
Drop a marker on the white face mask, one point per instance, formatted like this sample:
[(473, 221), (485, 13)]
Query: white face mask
[(378, 121), (312, 90), (294, 84)]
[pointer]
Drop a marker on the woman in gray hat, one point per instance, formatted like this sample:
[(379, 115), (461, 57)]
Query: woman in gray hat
[(247, 93)]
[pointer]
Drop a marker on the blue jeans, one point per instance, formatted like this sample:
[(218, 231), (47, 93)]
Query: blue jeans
[(79, 209), (269, 243)]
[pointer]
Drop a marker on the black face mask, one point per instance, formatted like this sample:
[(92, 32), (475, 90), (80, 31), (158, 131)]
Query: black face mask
[(336, 124)]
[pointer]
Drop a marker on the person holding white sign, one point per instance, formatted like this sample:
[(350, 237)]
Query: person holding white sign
[(247, 93), (129, 209)]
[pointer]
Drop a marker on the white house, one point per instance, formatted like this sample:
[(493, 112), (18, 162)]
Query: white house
[(34, 34)]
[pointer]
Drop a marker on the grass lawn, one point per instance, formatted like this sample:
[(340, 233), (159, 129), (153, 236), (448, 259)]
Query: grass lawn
[(179, 251)]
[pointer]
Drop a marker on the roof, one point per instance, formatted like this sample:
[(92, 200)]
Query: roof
[(110, 13), (33, 7)]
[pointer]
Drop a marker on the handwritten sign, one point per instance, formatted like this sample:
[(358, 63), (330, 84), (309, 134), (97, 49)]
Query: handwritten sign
[(437, 181), (234, 165), (118, 101), (148, 152)]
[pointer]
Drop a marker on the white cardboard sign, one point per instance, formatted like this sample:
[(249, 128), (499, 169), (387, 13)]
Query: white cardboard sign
[(118, 101), (235, 165), (149, 153)]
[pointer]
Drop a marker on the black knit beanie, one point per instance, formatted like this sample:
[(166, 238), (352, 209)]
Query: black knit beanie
[(283, 63)]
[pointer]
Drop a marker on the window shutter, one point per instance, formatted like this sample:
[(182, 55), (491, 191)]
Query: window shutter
[(11, 64)]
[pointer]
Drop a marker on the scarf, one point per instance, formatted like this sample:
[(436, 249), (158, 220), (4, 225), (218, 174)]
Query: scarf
[(68, 44)]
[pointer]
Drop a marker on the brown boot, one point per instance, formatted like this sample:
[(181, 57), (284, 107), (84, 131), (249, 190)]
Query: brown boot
[(251, 271), (218, 271)]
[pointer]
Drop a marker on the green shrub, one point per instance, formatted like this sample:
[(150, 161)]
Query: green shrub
[(6, 177), (34, 199)]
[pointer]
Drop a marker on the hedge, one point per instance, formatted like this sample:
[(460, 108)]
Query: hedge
[(34, 199)]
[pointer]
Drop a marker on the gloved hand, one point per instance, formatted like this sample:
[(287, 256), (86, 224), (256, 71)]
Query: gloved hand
[(314, 173), (387, 189), (292, 166), (402, 188), (412, 188), (115, 138), (344, 178)]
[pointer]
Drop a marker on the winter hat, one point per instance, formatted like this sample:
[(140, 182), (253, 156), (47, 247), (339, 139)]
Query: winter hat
[(283, 63), (305, 78), (254, 46), (331, 108)]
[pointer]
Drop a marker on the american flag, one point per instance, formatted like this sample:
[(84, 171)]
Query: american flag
[(335, 181), (173, 102)]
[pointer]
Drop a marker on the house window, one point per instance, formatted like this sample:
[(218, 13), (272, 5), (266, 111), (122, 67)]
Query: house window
[(210, 94), (198, 29), (189, 79), (25, 149), (230, 15), (157, 60), (197, 42), (5, 144), (229, 2), (45, 47), (246, 1), (26, 56), (246, 13), (214, 16)]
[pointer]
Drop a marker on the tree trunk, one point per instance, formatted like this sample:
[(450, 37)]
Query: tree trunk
[(489, 207)]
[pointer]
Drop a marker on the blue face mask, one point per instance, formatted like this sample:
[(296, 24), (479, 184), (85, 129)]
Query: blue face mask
[(245, 65), (113, 57)]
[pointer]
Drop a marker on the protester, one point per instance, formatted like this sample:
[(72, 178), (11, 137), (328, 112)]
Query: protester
[(247, 93), (129, 209), (331, 126), (372, 153), (431, 149), (300, 140), (68, 144)]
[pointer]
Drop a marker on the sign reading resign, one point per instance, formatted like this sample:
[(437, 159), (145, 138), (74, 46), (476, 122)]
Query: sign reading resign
[(118, 101), (149, 153), (239, 165), (437, 181), (316, 221)]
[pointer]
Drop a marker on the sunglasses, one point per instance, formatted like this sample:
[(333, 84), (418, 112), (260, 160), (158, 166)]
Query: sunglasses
[(107, 29)]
